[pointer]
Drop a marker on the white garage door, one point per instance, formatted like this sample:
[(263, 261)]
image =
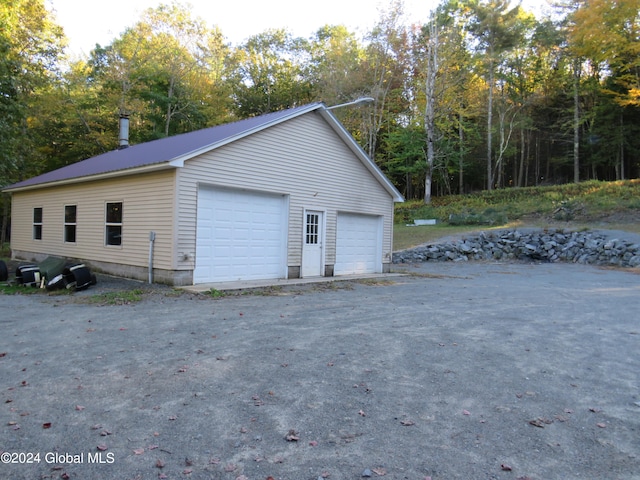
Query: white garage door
[(358, 244), (240, 236)]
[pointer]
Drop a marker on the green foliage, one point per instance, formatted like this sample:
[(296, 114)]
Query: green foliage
[(30, 47), (215, 293), (561, 202), (270, 74), (172, 74)]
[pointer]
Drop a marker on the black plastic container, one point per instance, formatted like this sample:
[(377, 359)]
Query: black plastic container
[(28, 275), (78, 277)]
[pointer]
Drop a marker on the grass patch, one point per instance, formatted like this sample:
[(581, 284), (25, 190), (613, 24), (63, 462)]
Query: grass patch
[(215, 293), (7, 289), (583, 204), (409, 236), (259, 291), (123, 297), (375, 282)]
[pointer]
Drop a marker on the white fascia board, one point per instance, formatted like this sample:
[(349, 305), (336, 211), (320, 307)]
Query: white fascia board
[(156, 167)]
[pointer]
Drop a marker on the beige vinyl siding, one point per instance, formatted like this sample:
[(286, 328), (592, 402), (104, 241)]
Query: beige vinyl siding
[(304, 158), (148, 205)]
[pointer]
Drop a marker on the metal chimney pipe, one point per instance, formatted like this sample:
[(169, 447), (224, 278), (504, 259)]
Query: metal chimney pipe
[(123, 135)]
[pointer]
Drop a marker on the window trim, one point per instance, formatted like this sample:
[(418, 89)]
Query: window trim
[(73, 224), (108, 224), (37, 225)]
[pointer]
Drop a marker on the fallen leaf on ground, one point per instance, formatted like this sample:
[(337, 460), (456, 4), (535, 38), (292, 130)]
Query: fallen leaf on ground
[(466, 412), (292, 436), (505, 467), (601, 425), (138, 451), (407, 423), (159, 463), (379, 471), (79, 408), (46, 425), (362, 414), (102, 447)]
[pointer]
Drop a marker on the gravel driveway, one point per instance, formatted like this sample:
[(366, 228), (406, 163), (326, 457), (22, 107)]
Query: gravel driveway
[(454, 371)]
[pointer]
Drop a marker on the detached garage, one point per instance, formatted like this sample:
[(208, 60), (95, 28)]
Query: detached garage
[(285, 195)]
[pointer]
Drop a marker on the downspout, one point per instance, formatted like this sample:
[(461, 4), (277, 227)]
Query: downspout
[(152, 238)]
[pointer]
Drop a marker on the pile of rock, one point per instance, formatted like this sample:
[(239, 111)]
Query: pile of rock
[(550, 245)]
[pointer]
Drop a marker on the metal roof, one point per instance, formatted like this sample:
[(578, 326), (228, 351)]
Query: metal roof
[(171, 152)]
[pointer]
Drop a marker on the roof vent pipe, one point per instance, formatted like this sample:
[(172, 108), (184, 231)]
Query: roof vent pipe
[(123, 135)]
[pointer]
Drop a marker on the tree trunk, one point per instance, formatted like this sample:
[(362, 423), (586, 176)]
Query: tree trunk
[(489, 124), (621, 147), (5, 220), (432, 70), (461, 158), (522, 155), (576, 121)]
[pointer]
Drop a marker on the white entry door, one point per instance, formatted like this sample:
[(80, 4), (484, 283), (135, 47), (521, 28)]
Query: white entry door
[(313, 244)]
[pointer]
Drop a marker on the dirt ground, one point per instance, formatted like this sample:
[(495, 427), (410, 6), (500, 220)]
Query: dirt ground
[(452, 371)]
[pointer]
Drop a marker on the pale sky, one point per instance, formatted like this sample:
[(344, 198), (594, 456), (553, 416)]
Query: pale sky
[(88, 22)]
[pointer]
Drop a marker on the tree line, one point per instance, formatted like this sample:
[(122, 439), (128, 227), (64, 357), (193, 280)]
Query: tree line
[(485, 95)]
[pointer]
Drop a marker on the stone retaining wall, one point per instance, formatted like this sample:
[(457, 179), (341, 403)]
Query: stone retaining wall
[(542, 245)]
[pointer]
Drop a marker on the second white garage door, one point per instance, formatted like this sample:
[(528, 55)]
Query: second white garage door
[(358, 244), (241, 235)]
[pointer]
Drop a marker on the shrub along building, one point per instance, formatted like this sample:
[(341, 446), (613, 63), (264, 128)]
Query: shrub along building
[(284, 195)]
